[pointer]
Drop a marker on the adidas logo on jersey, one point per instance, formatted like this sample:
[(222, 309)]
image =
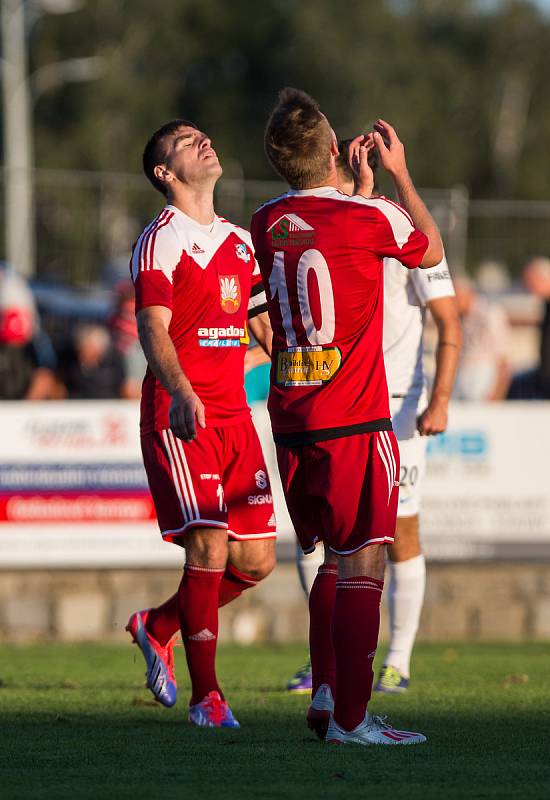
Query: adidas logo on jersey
[(202, 636), (196, 250)]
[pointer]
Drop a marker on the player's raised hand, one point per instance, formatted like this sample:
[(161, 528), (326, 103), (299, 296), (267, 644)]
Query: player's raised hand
[(390, 148), (359, 150), (186, 412)]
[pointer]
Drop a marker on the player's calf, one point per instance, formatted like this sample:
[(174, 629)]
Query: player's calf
[(249, 562), (233, 584)]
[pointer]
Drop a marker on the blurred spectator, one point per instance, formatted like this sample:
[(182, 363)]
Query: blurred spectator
[(492, 276), (27, 359), (125, 339), (484, 371), (91, 368), (535, 384)]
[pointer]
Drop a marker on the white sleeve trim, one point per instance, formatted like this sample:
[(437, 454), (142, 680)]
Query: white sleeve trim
[(158, 247), (257, 300)]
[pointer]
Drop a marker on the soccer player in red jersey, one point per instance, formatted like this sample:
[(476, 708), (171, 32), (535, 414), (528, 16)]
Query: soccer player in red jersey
[(198, 292), (320, 254), (415, 415)]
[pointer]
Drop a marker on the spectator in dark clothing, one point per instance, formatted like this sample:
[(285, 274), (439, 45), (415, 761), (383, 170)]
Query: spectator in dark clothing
[(27, 359), (91, 368), (27, 370), (535, 384)]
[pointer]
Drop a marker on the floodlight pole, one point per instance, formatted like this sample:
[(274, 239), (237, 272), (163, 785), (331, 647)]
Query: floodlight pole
[(18, 155)]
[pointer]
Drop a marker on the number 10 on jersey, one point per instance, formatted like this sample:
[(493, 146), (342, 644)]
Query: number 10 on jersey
[(310, 260)]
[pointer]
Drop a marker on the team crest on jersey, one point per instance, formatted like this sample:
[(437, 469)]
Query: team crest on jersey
[(230, 293), (291, 230), (242, 252)]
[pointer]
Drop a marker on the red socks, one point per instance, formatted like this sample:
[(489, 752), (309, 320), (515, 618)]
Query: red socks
[(355, 628), (198, 609), (233, 584), (321, 608), (164, 620)]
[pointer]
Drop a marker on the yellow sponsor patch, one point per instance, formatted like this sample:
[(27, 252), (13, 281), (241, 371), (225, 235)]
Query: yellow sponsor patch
[(307, 366), (245, 338)]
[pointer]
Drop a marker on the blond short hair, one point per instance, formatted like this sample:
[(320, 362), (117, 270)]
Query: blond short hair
[(297, 140)]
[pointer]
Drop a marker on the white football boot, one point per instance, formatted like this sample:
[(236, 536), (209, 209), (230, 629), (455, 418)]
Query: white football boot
[(373, 730)]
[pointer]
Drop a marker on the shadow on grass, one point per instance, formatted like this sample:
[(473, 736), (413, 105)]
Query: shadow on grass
[(469, 754)]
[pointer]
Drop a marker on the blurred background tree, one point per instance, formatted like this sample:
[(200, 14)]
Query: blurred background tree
[(464, 83), (465, 87)]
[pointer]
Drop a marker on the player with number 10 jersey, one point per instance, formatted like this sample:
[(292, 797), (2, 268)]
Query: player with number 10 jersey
[(320, 254)]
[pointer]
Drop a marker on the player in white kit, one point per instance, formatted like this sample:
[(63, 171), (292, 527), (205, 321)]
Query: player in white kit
[(415, 414)]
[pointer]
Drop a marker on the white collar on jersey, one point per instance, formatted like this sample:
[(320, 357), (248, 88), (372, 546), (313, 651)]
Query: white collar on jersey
[(207, 229), (318, 191)]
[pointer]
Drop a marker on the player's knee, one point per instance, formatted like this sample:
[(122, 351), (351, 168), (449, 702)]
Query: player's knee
[(407, 539), (207, 548), (328, 556), (368, 561), (407, 527), (262, 567), (254, 558)]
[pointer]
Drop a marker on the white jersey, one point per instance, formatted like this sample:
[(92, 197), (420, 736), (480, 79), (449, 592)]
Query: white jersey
[(406, 293)]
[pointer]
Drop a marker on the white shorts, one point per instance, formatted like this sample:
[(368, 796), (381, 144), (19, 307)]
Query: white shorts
[(412, 449)]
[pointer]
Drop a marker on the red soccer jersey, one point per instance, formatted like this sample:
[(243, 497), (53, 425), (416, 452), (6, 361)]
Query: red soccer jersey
[(208, 277), (320, 254)]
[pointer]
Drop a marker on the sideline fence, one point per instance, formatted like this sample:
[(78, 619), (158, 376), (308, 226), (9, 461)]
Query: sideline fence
[(87, 221)]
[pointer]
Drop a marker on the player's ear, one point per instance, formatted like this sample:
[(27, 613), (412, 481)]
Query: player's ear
[(162, 173)]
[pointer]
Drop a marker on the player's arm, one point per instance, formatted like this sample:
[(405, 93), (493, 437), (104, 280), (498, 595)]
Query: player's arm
[(153, 323), (260, 327), (502, 381), (498, 325), (449, 342), (392, 156), (255, 357)]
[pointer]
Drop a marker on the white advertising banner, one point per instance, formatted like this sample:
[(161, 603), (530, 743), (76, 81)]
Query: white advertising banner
[(487, 489), (73, 491), (486, 494)]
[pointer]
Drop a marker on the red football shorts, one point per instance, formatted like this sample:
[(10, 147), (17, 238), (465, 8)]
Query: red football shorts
[(343, 491), (217, 481)]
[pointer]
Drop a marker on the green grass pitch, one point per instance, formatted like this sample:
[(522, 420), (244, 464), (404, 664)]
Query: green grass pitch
[(76, 723)]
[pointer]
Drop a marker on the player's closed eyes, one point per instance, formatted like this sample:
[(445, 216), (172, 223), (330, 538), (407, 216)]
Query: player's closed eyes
[(182, 142)]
